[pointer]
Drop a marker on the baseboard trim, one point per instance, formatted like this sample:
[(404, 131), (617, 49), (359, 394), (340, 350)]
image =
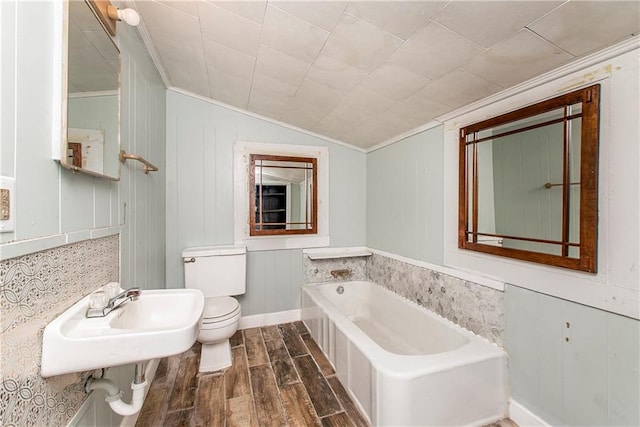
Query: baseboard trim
[(267, 319), (524, 417)]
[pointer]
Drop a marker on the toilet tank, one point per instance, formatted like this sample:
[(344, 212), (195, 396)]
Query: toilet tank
[(216, 270)]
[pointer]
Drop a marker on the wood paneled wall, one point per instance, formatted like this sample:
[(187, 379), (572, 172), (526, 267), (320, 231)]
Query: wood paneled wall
[(200, 141)]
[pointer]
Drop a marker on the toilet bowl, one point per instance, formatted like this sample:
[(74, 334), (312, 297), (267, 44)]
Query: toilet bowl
[(220, 321), (218, 272)]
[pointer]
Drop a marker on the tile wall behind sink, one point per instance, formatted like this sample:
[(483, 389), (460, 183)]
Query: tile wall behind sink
[(34, 289)]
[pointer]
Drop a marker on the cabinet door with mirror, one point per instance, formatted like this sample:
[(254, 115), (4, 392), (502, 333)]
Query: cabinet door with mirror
[(90, 140)]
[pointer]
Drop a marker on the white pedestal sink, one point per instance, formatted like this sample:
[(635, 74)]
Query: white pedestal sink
[(160, 323)]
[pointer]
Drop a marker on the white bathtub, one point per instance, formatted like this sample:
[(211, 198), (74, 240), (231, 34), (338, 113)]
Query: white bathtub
[(402, 363)]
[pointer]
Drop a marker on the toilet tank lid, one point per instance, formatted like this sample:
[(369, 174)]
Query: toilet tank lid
[(213, 251)]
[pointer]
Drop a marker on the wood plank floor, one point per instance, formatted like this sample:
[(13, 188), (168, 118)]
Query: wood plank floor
[(279, 377)]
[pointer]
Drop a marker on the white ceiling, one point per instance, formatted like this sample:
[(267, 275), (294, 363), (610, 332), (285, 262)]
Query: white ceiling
[(363, 72)]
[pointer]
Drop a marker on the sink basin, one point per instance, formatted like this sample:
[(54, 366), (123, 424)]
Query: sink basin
[(159, 323)]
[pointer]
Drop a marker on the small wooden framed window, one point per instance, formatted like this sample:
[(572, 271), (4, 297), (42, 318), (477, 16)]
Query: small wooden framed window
[(528, 182), (283, 195)]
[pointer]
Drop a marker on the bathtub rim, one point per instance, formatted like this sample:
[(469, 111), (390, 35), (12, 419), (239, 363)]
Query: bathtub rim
[(477, 349)]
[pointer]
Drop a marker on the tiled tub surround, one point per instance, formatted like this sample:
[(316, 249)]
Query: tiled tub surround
[(319, 270), (34, 289), (475, 307)]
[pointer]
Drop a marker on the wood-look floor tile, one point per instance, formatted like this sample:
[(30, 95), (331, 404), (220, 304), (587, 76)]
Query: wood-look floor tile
[(236, 339), (269, 410), (196, 349), (271, 333), (254, 345), (321, 394), (281, 391), (300, 327), (292, 340), (337, 420), (318, 355), (349, 406), (281, 363), (298, 406), (506, 422), (155, 407), (178, 418), (240, 412), (184, 389), (167, 370), (237, 376), (209, 409)]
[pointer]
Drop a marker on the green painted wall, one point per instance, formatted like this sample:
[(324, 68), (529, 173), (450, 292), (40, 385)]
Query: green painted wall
[(405, 196), (200, 141)]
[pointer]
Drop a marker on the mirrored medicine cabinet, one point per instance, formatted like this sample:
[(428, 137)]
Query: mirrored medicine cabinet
[(90, 130), (528, 182)]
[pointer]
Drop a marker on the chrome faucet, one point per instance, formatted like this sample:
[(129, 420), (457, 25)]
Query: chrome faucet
[(131, 294)]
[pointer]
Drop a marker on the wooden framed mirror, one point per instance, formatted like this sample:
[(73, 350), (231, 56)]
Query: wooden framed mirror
[(528, 182), (283, 195)]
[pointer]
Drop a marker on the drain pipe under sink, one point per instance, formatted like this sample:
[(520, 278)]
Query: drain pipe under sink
[(114, 394)]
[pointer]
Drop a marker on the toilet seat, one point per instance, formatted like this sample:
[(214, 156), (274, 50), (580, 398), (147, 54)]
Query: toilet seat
[(219, 311)]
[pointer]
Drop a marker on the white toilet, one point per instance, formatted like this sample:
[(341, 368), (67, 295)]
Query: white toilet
[(219, 272)]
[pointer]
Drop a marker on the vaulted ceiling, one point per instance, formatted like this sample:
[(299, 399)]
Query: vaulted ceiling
[(363, 72)]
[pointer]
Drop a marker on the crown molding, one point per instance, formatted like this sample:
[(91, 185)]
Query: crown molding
[(430, 125), (628, 45), (578, 65)]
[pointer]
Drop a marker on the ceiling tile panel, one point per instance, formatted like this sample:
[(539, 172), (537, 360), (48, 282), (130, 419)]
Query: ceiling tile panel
[(267, 104), (323, 14), (220, 25), (229, 88), (225, 59), (459, 88), (268, 85), (359, 44), (371, 132), (334, 73), (341, 120), (320, 96), (302, 115), (365, 71), (395, 82), (516, 59), (280, 66), (583, 27), (250, 9), (332, 127), (366, 101), (416, 110), (292, 35), (186, 6), (488, 22), (401, 19), (181, 52), (434, 51)]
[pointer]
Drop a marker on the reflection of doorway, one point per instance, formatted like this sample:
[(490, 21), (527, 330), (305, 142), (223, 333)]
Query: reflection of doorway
[(274, 206), (74, 150)]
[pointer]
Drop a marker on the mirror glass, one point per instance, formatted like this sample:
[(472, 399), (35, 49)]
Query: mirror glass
[(283, 195), (91, 141), (527, 189)]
